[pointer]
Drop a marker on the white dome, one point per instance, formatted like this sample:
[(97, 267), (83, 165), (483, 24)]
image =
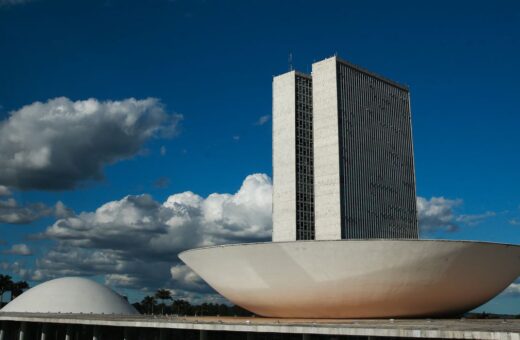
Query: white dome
[(70, 295)]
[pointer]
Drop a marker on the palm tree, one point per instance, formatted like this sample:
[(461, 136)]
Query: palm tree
[(18, 288), (148, 303), (163, 294), (181, 306), (5, 285)]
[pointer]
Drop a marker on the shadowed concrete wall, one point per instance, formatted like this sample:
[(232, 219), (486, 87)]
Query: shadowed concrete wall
[(363, 155)]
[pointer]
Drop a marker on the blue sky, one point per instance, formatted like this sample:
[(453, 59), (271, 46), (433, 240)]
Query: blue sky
[(209, 65)]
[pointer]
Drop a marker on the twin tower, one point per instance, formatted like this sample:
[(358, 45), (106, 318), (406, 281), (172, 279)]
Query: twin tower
[(343, 165)]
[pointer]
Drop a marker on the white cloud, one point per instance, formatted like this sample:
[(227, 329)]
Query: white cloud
[(475, 219), (120, 280), (514, 221), (263, 120), (134, 241), (185, 279), (4, 191), (19, 249), (513, 290), (62, 211), (437, 213), (163, 150), (18, 268), (56, 144), (13, 213)]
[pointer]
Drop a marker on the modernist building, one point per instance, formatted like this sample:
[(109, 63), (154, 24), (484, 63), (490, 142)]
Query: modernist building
[(343, 163), (343, 170), (293, 201), (74, 295)]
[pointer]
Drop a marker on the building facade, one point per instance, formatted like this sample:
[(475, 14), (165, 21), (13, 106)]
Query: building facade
[(361, 165), (293, 201)]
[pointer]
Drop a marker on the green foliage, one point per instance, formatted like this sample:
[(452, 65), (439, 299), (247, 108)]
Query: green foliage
[(18, 288), (7, 285), (147, 305), (163, 294), (182, 307)]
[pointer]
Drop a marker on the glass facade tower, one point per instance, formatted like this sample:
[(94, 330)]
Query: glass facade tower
[(343, 162)]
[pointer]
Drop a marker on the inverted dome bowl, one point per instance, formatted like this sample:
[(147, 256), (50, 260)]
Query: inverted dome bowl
[(357, 278)]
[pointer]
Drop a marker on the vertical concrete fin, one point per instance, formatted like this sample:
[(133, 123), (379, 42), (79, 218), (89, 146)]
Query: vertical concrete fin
[(327, 193)]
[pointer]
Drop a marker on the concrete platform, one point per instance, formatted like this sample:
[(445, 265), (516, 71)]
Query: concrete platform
[(409, 328)]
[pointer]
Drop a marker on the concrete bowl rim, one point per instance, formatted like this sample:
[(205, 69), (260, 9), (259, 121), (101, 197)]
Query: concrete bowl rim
[(489, 243)]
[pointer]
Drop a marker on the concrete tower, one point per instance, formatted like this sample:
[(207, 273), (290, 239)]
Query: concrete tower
[(363, 155), (293, 198), (342, 157)]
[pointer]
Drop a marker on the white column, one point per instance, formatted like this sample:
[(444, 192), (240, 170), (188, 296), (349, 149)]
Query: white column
[(125, 333), (23, 330), (44, 331), (68, 333), (203, 335), (2, 331), (95, 333)]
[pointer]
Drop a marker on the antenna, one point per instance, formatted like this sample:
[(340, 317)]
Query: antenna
[(290, 62)]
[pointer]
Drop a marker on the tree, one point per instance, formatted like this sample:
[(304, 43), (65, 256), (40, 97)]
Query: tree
[(5, 285), (163, 294), (18, 288), (181, 307), (148, 304)]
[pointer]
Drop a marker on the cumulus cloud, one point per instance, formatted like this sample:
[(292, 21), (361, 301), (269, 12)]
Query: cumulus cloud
[(19, 249), (476, 218), (17, 268), (263, 120), (56, 144), (185, 279), (62, 211), (438, 214), (197, 297), (514, 221), (11, 212), (513, 289), (134, 241), (4, 191)]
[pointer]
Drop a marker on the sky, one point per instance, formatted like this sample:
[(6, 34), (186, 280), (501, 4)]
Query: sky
[(133, 130)]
